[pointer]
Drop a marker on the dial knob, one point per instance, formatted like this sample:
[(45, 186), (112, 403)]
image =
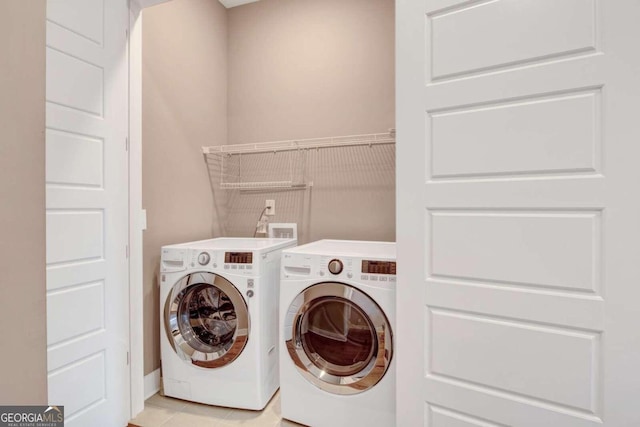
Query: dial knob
[(204, 258), (335, 266)]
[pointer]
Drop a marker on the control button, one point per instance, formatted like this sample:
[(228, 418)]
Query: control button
[(392, 279), (204, 258), (322, 273), (349, 275), (335, 266), (365, 277), (241, 267), (234, 267), (383, 278), (249, 267), (215, 265), (250, 283), (226, 266), (374, 278), (249, 293)]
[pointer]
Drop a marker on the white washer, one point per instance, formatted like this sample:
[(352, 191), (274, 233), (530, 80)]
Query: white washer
[(337, 316), (218, 314)]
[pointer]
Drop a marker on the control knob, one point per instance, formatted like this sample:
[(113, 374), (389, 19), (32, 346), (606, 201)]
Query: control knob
[(204, 258), (335, 266)]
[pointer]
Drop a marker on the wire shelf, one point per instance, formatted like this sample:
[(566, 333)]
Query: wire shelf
[(299, 144), (244, 166), (260, 185)]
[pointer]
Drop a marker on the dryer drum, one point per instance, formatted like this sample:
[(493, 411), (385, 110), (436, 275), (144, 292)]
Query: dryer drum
[(338, 335), (206, 319), (340, 339)]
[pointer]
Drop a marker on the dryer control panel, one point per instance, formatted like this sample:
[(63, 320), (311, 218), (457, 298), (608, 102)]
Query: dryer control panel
[(376, 272)]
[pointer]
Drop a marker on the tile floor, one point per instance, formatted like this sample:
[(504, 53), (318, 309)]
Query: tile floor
[(161, 411)]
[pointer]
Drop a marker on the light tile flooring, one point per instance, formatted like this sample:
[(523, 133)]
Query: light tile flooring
[(161, 411)]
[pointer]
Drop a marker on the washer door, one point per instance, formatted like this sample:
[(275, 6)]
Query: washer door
[(206, 320), (339, 338)]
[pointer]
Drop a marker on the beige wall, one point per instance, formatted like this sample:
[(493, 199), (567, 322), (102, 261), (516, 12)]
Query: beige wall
[(301, 69), (23, 359), (184, 107), (296, 69), (316, 68)]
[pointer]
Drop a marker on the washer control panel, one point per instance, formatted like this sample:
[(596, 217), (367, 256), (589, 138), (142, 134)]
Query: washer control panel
[(232, 262), (242, 262), (378, 271), (378, 267)]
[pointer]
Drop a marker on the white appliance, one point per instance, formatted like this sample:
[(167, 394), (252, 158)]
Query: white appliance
[(337, 311), (219, 311)]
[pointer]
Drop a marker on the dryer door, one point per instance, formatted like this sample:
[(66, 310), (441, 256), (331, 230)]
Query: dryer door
[(339, 338), (206, 320)]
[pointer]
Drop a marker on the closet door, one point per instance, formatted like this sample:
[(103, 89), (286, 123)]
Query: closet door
[(87, 220), (518, 215)]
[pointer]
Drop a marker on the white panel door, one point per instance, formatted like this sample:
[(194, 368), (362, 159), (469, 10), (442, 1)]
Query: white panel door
[(518, 216), (87, 210)]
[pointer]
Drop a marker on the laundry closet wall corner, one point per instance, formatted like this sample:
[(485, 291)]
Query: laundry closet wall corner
[(184, 106)]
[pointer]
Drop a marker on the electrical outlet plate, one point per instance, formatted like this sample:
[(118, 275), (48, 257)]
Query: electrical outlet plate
[(271, 207)]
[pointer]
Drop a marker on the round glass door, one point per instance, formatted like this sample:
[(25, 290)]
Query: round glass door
[(206, 320), (339, 339)]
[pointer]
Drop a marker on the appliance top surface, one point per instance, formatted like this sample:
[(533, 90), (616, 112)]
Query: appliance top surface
[(356, 248), (236, 244)]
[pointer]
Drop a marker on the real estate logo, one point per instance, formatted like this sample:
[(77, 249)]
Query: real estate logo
[(31, 416)]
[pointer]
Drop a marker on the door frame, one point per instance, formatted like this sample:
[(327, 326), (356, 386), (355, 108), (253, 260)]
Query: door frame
[(137, 217), (136, 285), (410, 221)]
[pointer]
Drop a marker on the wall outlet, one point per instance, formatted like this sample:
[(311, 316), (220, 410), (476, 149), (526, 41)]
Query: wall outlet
[(271, 207)]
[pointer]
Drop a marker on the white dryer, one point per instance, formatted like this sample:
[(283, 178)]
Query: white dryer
[(219, 311), (337, 315)]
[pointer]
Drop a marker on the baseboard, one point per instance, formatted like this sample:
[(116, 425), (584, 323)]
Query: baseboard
[(151, 384)]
